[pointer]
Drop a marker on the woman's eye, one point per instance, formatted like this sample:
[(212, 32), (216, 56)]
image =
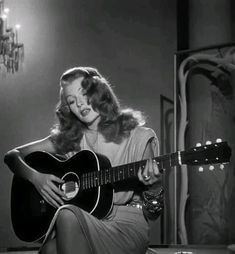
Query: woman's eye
[(70, 102)]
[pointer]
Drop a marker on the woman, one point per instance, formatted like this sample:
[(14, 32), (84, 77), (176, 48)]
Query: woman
[(90, 117)]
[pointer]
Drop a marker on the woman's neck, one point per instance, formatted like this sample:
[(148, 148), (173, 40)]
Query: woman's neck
[(93, 126)]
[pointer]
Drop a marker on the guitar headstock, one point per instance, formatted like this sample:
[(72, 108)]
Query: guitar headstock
[(208, 154)]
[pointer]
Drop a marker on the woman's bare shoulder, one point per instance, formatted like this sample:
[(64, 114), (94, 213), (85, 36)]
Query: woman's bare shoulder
[(44, 144)]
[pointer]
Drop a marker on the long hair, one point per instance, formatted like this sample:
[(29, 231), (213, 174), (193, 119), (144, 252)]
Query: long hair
[(115, 123)]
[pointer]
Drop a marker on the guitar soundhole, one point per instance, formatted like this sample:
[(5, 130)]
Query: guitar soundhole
[(71, 185)]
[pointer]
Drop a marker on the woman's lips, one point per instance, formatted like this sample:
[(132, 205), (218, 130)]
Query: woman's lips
[(85, 112)]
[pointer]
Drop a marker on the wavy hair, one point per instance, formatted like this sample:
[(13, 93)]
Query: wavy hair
[(115, 123)]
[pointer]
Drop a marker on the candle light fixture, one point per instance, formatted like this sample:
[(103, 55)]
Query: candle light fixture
[(11, 51)]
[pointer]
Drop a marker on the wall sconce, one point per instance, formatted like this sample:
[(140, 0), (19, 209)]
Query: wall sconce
[(11, 51)]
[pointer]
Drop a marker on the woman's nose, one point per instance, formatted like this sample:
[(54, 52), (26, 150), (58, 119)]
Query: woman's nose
[(79, 102)]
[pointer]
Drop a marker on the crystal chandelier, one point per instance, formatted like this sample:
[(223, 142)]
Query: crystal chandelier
[(11, 51)]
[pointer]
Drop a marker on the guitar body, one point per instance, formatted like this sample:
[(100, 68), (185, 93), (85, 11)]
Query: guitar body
[(31, 215)]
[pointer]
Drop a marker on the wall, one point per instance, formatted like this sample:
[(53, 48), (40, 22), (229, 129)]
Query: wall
[(131, 42)]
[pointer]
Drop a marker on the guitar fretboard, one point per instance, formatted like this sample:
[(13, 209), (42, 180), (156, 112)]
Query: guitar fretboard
[(119, 173)]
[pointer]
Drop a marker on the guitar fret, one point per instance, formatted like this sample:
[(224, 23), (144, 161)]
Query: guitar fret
[(112, 176), (118, 178), (109, 176), (115, 174), (88, 184), (122, 176), (132, 171), (128, 170), (120, 173), (92, 179), (96, 179), (109, 171), (102, 177), (89, 180), (94, 183), (105, 177), (84, 181), (99, 178)]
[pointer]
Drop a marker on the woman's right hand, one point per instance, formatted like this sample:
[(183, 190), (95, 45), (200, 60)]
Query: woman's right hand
[(45, 185)]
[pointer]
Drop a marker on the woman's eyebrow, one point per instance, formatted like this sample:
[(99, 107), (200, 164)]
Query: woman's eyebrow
[(68, 96)]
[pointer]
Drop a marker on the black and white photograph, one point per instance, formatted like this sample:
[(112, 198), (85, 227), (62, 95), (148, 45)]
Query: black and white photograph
[(117, 127)]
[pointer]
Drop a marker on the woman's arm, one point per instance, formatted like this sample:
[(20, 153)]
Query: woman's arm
[(153, 198), (151, 173), (43, 182), (15, 157)]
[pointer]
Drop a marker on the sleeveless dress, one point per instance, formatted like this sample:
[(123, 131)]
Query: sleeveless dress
[(125, 230)]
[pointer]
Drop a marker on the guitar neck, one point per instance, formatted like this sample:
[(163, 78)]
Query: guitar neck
[(215, 153), (127, 171)]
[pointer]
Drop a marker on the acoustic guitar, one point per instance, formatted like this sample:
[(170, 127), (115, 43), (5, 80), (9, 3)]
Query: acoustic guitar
[(88, 183)]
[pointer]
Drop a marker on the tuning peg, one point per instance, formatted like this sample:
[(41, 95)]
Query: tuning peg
[(221, 166), (218, 140), (200, 169), (208, 142), (198, 144), (211, 167)]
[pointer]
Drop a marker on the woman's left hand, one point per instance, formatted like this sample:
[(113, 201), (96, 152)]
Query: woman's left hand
[(150, 174)]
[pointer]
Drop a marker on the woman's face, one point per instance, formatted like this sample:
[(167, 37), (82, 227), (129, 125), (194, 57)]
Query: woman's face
[(78, 103)]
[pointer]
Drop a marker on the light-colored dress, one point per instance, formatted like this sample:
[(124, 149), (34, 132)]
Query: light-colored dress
[(125, 230)]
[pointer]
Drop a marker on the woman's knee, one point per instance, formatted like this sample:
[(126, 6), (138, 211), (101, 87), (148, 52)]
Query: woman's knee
[(65, 218)]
